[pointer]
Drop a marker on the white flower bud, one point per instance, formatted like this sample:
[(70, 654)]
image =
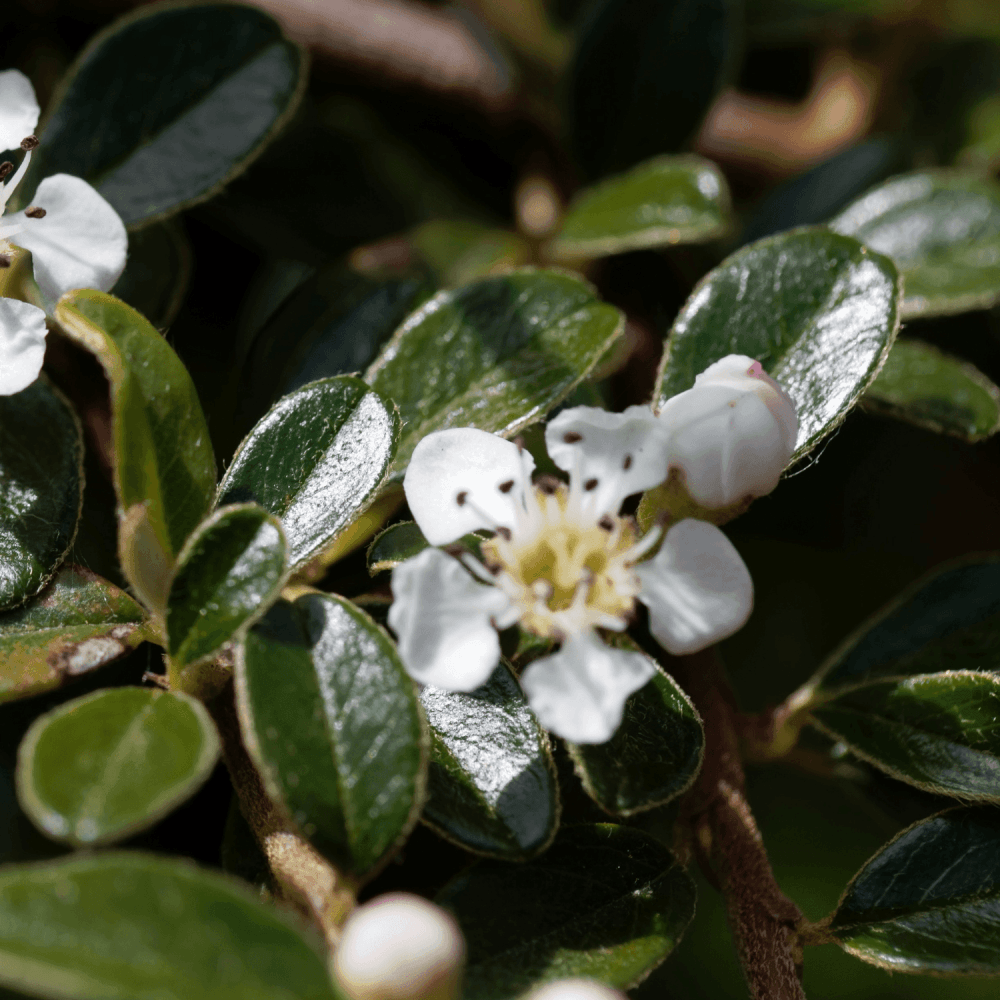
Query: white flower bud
[(575, 989), (732, 434), (400, 947)]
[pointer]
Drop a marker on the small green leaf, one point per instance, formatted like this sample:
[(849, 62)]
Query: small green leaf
[(208, 86), (41, 488), (396, 544), (929, 901), (606, 902), (662, 202), (940, 732), (497, 354), (331, 718), (228, 574), (315, 461), (491, 783), (818, 310), (156, 276), (104, 766), (122, 925), (926, 387), (458, 252), (78, 623), (942, 229)]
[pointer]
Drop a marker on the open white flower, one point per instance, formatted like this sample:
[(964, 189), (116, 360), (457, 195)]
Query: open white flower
[(562, 564), (75, 237)]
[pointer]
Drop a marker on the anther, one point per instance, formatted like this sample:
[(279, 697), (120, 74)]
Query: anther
[(627, 462), (504, 533), (5, 168), (606, 523), (548, 485), (461, 498), (4, 260), (34, 212), (28, 143), (506, 487), (590, 484), (571, 437)]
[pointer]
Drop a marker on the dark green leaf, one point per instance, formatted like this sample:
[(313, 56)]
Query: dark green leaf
[(228, 574), (603, 901), (929, 901), (207, 87), (113, 926), (457, 252), (315, 461), (332, 720), (101, 767), (942, 229), (497, 354), (156, 276), (41, 488), (665, 201), (491, 782), (396, 544), (79, 623), (818, 310), (924, 386)]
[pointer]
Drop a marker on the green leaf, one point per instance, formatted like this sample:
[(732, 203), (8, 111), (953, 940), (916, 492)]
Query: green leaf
[(78, 623), (942, 229), (41, 488), (497, 354), (818, 310), (929, 901), (315, 461), (332, 720), (156, 276), (208, 86), (229, 573), (117, 926), (162, 452), (396, 544), (107, 765), (940, 732), (491, 782), (459, 251), (926, 387), (604, 901), (662, 202)]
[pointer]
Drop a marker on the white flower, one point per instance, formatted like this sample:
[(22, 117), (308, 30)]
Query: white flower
[(732, 433), (575, 989), (75, 237), (562, 564)]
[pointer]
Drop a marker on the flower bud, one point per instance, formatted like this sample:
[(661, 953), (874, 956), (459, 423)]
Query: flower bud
[(575, 989), (732, 434), (400, 947)]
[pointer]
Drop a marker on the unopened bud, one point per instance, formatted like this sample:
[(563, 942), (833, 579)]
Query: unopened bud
[(575, 989), (400, 947)]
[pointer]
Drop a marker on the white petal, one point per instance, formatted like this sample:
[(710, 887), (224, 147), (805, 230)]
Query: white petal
[(463, 479), (18, 109), (579, 693), (80, 243), (443, 620), (22, 345), (697, 588), (753, 455)]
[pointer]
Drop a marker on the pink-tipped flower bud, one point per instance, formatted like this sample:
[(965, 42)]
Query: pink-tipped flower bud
[(400, 947), (575, 989), (731, 435)]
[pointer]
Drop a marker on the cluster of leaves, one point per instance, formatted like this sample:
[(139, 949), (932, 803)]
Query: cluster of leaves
[(301, 689)]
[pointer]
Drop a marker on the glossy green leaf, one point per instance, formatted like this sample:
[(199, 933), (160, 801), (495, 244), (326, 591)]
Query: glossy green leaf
[(942, 229), (818, 310), (78, 623), (497, 354), (929, 901), (926, 387), (162, 452), (315, 461), (396, 544), (41, 488), (104, 766), (157, 272), (940, 732), (207, 87), (603, 901), (119, 926), (665, 201), (229, 573), (332, 720), (491, 782), (457, 252)]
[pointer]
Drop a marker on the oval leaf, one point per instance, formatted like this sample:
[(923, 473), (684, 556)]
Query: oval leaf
[(135, 925), (41, 488), (208, 86), (78, 623), (491, 782), (929, 901), (497, 354), (396, 544), (156, 277), (331, 718), (458, 251), (109, 764), (818, 310), (606, 902)]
